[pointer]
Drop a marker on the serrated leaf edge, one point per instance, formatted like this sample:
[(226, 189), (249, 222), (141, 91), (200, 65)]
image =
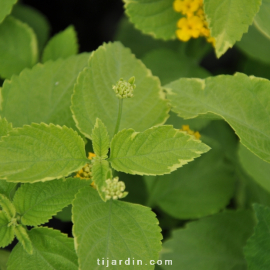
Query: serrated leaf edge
[(149, 74), (202, 81), (16, 130), (152, 34), (171, 168)]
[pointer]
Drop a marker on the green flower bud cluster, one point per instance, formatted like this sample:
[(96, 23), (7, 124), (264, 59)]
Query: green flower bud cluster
[(13, 222), (114, 189), (124, 89)]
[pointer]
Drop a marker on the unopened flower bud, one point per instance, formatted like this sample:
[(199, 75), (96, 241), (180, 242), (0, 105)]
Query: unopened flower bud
[(114, 189), (124, 89)]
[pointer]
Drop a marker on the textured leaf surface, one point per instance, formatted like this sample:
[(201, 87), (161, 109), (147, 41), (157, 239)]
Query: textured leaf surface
[(36, 20), (62, 45), (4, 255), (255, 45), (40, 152), (256, 167), (113, 230), (47, 88), (214, 242), (262, 19), (258, 246), (156, 18), (169, 65), (100, 172), (228, 20), (156, 151), (6, 7), (24, 240), (7, 206), (52, 250), (15, 58), (94, 98), (37, 203), (100, 139), (6, 188), (241, 100), (202, 187), (5, 127), (6, 233)]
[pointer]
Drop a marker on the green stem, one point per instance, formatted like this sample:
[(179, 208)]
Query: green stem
[(119, 116)]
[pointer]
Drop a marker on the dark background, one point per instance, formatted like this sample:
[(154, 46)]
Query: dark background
[(95, 20)]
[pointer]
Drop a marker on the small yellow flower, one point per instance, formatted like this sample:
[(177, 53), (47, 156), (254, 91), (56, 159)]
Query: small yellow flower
[(200, 13), (194, 24), (211, 40), (186, 7), (189, 27), (187, 130), (91, 155), (197, 135), (85, 171)]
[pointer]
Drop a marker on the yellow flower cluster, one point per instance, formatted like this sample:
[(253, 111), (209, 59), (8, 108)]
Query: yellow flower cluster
[(186, 129), (85, 171), (194, 24)]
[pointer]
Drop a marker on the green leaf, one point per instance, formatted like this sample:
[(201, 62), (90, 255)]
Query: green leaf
[(15, 58), (40, 153), (6, 7), (140, 43), (62, 45), (6, 188), (114, 230), (169, 65), (156, 18), (4, 255), (195, 124), (100, 139), (100, 171), (258, 246), (22, 236), (221, 132), (200, 188), (5, 127), (50, 102), (156, 151), (228, 20), (94, 98), (7, 206), (256, 167), (262, 19), (248, 191), (36, 20), (37, 203), (65, 214), (214, 242), (241, 100), (255, 45), (52, 250), (6, 232)]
